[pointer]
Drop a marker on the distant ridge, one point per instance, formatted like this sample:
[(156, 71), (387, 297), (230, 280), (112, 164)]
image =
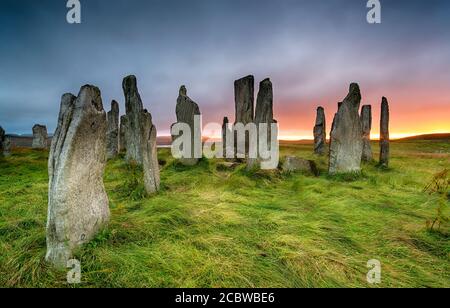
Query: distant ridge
[(439, 137)]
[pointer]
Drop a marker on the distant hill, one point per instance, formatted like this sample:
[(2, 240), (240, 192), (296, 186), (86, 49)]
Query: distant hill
[(437, 137)]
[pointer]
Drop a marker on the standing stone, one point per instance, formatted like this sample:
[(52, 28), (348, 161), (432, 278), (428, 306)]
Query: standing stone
[(7, 147), (346, 143), (320, 134), (140, 135), (112, 135), (366, 121), (186, 110), (2, 139), (78, 206), (226, 133), (244, 97), (264, 113), (384, 134), (122, 134), (40, 137)]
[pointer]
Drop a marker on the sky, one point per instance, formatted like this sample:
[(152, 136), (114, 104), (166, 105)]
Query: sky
[(311, 50)]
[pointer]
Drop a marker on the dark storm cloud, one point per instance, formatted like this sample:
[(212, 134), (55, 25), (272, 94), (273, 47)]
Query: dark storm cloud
[(310, 49)]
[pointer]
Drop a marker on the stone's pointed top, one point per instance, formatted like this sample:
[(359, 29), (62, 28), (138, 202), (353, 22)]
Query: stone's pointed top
[(353, 98), (384, 101), (94, 94), (129, 82), (354, 87), (225, 120), (367, 108), (183, 91), (67, 97), (267, 80), (38, 126), (320, 109), (115, 106)]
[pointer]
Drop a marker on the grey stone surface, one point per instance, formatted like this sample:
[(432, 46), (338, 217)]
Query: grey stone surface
[(40, 137), (346, 143), (366, 121), (244, 93), (228, 150), (2, 139), (297, 164), (384, 134), (7, 147), (186, 110), (78, 206), (122, 134), (320, 134), (140, 135), (112, 134)]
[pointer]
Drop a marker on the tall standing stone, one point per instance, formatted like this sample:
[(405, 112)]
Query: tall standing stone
[(384, 134), (112, 135), (320, 134), (366, 121), (186, 111), (264, 113), (2, 139), (40, 137), (226, 133), (346, 143), (122, 134), (244, 97), (78, 206), (140, 135), (7, 147)]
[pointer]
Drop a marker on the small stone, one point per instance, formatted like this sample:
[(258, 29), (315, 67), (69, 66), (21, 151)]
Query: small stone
[(112, 135), (40, 137), (297, 164)]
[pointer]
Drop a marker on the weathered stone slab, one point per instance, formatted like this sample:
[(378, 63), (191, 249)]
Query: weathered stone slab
[(78, 206), (320, 134), (112, 135), (297, 164), (7, 147), (346, 143), (384, 134), (366, 121), (123, 134), (40, 137)]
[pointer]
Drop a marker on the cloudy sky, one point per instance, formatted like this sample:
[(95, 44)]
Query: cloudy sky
[(312, 50)]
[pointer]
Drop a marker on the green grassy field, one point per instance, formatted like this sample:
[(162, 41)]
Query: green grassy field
[(210, 227)]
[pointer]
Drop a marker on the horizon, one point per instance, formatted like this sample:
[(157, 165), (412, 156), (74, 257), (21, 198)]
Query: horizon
[(220, 42)]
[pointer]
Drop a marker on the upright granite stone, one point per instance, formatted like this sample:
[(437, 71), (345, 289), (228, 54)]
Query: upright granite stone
[(7, 147), (244, 97), (186, 111), (346, 144), (122, 134), (228, 151), (78, 206), (366, 121), (264, 115), (2, 139), (140, 135), (112, 135), (40, 137), (384, 134), (320, 134)]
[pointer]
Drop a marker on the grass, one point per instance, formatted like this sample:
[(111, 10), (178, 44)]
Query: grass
[(212, 227)]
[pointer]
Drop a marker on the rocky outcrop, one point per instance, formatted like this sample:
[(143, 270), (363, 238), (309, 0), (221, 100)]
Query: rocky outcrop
[(366, 121), (40, 137), (346, 143), (187, 112), (297, 164), (320, 134), (78, 206), (384, 134), (112, 134)]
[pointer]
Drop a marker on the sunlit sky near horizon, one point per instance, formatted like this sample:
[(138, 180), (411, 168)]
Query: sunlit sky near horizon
[(311, 50)]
